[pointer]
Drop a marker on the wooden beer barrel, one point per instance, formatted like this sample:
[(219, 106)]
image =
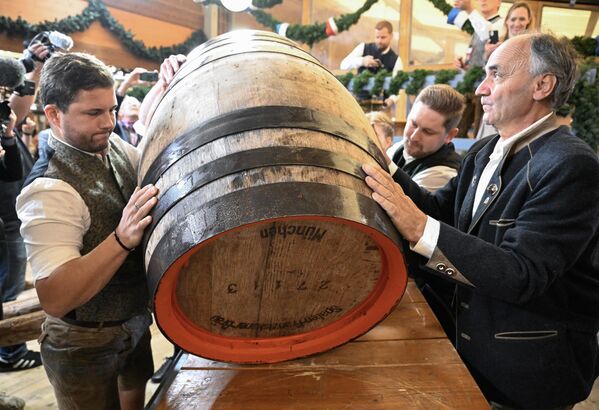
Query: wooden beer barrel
[(265, 244)]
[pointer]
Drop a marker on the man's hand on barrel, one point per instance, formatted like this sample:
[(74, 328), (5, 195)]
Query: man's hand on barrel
[(169, 67), (135, 216), (409, 220)]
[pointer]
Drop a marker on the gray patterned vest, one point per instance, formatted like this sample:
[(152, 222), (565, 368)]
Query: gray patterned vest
[(105, 191)]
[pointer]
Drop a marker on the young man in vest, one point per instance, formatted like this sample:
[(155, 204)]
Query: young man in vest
[(427, 155), (426, 152), (374, 56), (82, 218), (517, 232)]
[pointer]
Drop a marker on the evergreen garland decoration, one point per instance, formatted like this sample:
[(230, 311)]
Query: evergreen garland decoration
[(417, 80), (471, 77), (585, 46), (139, 91), (345, 78), (445, 8), (361, 80), (96, 10), (397, 82), (445, 76), (585, 100), (379, 81), (312, 33)]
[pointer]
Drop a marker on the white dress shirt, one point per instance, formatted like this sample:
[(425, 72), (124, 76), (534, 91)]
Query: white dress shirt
[(427, 244), (481, 25), (54, 217), (354, 59), (431, 178)]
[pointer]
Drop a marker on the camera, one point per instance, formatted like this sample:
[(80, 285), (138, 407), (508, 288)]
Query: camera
[(150, 76), (26, 88), (4, 117), (53, 40), (493, 37)]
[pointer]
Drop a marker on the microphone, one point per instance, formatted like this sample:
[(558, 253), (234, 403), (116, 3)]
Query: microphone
[(12, 73)]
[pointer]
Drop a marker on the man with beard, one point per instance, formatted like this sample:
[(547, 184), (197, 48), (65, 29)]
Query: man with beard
[(374, 56), (426, 152), (82, 218)]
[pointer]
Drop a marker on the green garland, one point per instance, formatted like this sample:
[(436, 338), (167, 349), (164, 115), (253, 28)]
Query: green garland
[(417, 80), (310, 33), (585, 100), (379, 81), (585, 46), (361, 80), (472, 76), (398, 81), (445, 8), (445, 76), (96, 10)]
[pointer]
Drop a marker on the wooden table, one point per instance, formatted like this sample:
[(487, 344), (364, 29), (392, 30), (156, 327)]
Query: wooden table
[(406, 362)]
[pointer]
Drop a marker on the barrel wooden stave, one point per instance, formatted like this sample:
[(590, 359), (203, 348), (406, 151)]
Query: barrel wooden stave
[(231, 276)]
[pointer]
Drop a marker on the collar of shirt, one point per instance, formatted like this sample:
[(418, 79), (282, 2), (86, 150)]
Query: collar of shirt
[(100, 155), (501, 149), (503, 146), (386, 50), (407, 157)]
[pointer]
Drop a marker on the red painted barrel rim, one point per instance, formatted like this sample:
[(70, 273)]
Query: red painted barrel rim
[(376, 306)]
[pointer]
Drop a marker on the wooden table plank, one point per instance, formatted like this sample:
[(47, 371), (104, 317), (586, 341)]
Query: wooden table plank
[(372, 354), (404, 362), (388, 387)]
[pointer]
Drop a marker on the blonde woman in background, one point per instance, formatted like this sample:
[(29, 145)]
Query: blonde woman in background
[(383, 127), (519, 20)]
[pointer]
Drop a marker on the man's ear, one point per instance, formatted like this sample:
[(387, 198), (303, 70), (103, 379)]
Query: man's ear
[(544, 86), (52, 114), (451, 135)]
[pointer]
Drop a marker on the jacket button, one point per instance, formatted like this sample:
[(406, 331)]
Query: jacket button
[(441, 267), (450, 271)]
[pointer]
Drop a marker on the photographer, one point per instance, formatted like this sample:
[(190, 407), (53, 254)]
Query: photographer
[(40, 48), (10, 159), (13, 259)]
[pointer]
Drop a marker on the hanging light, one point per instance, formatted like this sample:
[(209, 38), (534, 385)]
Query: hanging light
[(236, 5)]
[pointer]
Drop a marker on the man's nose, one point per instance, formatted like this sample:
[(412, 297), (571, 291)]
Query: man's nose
[(415, 135), (108, 120), (483, 88)]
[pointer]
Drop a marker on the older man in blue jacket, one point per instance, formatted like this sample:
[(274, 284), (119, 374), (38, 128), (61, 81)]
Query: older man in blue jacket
[(517, 231)]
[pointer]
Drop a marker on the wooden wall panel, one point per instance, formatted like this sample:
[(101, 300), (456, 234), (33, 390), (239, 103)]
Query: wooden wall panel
[(179, 12), (155, 22), (154, 33), (37, 11), (103, 44)]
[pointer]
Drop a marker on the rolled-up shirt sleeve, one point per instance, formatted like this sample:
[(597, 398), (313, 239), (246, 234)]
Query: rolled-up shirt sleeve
[(54, 219), (353, 59)]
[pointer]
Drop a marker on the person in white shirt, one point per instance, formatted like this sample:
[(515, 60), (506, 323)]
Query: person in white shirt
[(377, 55), (517, 233), (426, 152), (82, 218)]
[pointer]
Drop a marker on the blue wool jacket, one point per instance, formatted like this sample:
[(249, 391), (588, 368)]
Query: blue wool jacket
[(526, 266)]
